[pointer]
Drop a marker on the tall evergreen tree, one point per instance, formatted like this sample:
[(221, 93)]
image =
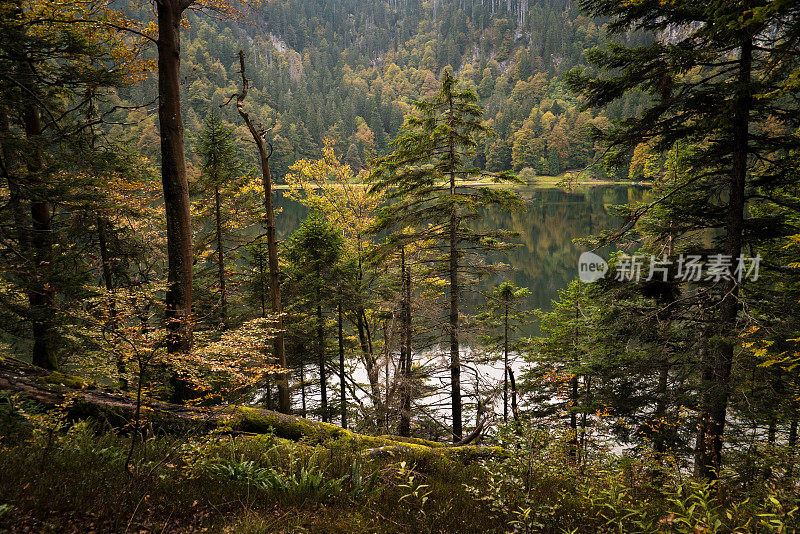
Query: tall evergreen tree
[(59, 63), (428, 180), (716, 76), (221, 167), (313, 254)]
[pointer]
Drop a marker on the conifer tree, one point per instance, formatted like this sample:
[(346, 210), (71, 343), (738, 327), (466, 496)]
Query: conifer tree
[(430, 184), (313, 254), (59, 63), (221, 167), (716, 75), (503, 317)]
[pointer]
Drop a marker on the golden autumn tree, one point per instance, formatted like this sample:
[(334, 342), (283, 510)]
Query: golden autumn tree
[(331, 188)]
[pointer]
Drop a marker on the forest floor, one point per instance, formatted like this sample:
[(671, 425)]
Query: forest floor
[(248, 470)]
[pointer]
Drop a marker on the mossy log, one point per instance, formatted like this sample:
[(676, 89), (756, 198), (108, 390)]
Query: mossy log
[(81, 399)]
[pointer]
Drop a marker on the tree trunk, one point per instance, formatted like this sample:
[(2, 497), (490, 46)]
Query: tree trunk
[(223, 296), (278, 343), (269, 393), (10, 168), (41, 295), (342, 393), (573, 420), (303, 387), (792, 445), (173, 177), (717, 392), (505, 364), (573, 404), (373, 371), (118, 410), (514, 407), (105, 259), (455, 355), (587, 380), (323, 378), (659, 430), (405, 348)]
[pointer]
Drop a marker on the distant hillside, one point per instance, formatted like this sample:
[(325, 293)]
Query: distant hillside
[(348, 69)]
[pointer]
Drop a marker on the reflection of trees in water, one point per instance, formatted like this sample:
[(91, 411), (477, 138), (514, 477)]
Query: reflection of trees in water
[(547, 259)]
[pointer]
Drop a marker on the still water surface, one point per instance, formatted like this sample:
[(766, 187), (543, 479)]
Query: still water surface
[(546, 259)]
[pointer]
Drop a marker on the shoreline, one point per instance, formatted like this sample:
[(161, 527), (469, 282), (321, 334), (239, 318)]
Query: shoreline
[(549, 182)]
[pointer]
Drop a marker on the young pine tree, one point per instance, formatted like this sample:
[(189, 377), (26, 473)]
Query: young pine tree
[(222, 171), (503, 317)]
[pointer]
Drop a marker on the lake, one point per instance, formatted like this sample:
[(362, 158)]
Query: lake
[(546, 259)]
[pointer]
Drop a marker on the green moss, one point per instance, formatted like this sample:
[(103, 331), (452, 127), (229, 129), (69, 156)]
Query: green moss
[(70, 381), (260, 421), (414, 441), (429, 456)]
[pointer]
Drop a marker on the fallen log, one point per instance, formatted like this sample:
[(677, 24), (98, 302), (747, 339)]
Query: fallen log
[(82, 399)]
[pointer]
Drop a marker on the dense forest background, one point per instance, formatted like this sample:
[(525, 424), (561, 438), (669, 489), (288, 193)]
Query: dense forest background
[(348, 70)]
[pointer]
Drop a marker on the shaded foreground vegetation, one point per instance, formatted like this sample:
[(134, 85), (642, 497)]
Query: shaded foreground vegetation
[(62, 473)]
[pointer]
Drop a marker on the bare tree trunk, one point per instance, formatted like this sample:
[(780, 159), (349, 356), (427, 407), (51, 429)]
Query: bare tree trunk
[(514, 407), (717, 392), (41, 295), (173, 177), (505, 364), (303, 386), (223, 296), (373, 371), (278, 343)]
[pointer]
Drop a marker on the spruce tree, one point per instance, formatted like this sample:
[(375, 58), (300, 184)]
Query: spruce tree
[(221, 167), (435, 196), (503, 317), (313, 255), (716, 77)]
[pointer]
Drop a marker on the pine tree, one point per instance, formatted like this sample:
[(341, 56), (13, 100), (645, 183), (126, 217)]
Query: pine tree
[(427, 182)]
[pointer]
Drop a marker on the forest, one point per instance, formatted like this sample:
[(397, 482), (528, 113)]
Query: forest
[(399, 266)]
